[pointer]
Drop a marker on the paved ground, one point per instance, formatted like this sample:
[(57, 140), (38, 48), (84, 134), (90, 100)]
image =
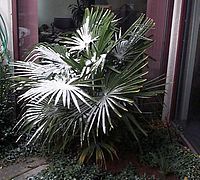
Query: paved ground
[(23, 170)]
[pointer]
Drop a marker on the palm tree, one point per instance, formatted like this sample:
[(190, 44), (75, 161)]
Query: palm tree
[(90, 88)]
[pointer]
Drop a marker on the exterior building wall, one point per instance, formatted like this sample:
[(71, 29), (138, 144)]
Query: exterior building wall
[(157, 10), (27, 25)]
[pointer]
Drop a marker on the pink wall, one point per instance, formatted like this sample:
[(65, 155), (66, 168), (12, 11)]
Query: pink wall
[(159, 10), (27, 25), (15, 30)]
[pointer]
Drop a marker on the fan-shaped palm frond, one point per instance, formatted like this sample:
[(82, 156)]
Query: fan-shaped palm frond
[(53, 54), (116, 96), (98, 150), (55, 89), (133, 41), (82, 38), (33, 70), (49, 121)]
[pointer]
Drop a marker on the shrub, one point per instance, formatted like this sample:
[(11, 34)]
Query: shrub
[(7, 114), (163, 150), (67, 168), (6, 97), (88, 89)]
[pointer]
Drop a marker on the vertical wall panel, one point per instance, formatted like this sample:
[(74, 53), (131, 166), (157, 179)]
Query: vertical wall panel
[(158, 11), (27, 11)]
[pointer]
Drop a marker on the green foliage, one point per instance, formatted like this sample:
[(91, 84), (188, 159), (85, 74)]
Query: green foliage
[(6, 97), (67, 168), (177, 160), (7, 111), (7, 107), (161, 149), (185, 163), (90, 88), (14, 153), (162, 161), (99, 149), (129, 173)]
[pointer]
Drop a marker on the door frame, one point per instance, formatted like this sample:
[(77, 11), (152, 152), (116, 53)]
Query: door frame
[(15, 30), (174, 59)]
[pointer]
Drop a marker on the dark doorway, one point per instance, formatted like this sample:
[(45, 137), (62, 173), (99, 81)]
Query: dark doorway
[(188, 105)]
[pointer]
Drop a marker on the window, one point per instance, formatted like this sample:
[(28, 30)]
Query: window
[(44, 20)]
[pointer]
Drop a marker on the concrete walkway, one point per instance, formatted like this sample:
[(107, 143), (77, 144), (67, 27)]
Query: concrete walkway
[(23, 170)]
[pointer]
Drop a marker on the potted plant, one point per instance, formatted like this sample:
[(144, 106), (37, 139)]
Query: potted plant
[(88, 89)]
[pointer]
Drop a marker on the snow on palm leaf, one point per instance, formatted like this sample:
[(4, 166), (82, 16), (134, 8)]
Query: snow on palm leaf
[(45, 61), (120, 49), (45, 53), (94, 64), (82, 38), (55, 89), (95, 78)]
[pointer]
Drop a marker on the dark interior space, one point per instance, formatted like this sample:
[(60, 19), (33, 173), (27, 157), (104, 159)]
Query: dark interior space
[(193, 124), (67, 16)]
